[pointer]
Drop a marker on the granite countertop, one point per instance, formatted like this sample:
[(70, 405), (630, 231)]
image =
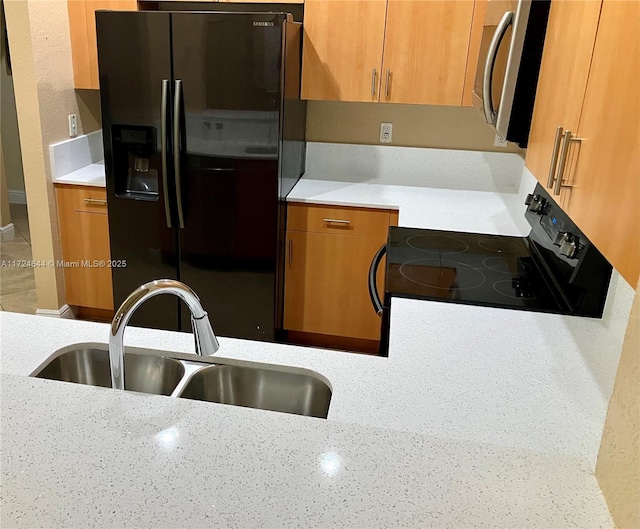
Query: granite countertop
[(479, 417)]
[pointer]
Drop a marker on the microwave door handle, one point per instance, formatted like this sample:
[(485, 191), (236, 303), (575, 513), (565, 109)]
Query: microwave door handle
[(373, 287), (177, 147), (487, 79), (163, 149)]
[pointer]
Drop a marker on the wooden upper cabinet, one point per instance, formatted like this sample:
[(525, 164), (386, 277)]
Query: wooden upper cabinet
[(342, 51), (603, 199), (571, 34), (396, 51), (82, 29), (475, 39), (425, 51)]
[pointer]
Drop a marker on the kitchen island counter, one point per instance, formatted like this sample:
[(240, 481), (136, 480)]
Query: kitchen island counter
[(478, 417)]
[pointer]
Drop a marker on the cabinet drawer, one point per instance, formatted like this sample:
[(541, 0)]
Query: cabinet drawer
[(81, 198), (366, 222)]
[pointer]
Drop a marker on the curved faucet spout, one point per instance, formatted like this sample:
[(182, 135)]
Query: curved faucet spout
[(206, 342)]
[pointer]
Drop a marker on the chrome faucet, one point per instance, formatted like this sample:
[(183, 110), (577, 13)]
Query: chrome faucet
[(205, 340)]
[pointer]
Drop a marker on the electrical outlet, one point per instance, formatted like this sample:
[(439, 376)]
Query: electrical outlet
[(73, 125), (386, 132), (499, 142)]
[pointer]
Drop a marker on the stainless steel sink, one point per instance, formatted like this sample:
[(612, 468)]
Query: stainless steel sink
[(143, 373), (262, 388)]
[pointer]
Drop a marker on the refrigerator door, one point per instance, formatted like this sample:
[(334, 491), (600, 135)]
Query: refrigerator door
[(134, 57), (228, 67)]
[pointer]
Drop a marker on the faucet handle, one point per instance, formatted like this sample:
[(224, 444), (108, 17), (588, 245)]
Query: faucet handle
[(205, 340)]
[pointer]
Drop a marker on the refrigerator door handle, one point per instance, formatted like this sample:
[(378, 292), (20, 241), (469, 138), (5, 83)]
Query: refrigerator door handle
[(177, 148), (163, 139)]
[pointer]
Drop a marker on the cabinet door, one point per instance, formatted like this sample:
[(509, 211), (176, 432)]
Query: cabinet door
[(566, 58), (84, 236), (425, 51), (82, 28), (342, 51), (606, 183), (326, 287)]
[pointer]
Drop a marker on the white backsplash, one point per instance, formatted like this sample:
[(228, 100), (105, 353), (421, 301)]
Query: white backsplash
[(412, 166), (73, 154)]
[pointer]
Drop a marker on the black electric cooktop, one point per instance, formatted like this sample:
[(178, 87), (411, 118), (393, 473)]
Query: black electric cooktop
[(470, 268)]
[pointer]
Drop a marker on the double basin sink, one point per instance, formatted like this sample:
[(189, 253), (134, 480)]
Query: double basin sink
[(261, 386)]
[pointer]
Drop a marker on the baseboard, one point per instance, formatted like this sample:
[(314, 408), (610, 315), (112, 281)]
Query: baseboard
[(63, 312), (17, 197), (7, 233)]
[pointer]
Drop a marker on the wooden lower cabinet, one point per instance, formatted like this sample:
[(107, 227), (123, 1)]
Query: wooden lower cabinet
[(84, 237), (326, 281)]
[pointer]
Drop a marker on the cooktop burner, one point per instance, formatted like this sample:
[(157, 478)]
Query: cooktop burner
[(440, 244), (506, 266), (517, 289), (442, 275), (498, 245), (480, 269)]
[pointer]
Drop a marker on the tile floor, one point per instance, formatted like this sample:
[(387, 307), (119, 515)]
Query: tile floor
[(17, 283)]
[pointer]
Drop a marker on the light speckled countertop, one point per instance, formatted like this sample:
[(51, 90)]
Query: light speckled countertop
[(90, 175), (480, 417)]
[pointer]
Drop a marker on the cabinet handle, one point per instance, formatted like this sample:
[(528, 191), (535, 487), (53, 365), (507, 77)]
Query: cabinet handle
[(563, 161), (336, 221), (554, 157), (290, 251), (387, 83), (95, 202), (374, 76)]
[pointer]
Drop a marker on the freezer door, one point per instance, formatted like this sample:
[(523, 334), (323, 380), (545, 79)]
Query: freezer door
[(134, 58), (228, 70)]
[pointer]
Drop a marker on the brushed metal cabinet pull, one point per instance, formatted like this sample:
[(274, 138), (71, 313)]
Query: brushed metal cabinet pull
[(554, 157), (374, 76), (290, 251), (387, 83), (95, 201), (568, 140), (337, 221)]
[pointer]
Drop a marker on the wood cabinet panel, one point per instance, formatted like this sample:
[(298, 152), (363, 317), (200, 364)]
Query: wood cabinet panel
[(326, 289), (343, 42), (84, 236), (606, 182), (477, 24), (425, 51), (84, 47), (566, 59), (362, 222), (326, 277)]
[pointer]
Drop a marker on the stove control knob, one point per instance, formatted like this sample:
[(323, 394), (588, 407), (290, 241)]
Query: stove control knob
[(536, 203), (569, 245)]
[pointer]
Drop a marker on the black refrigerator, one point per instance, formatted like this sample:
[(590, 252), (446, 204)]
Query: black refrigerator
[(203, 131)]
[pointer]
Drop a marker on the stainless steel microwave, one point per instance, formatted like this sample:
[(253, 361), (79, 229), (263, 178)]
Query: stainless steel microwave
[(508, 65)]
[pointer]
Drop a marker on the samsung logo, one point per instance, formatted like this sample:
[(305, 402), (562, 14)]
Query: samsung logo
[(264, 24)]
